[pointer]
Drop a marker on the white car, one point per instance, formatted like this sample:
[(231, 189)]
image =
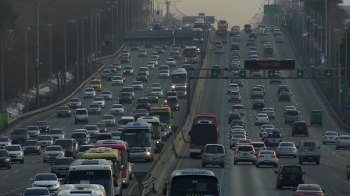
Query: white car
[(142, 53), (117, 109), (144, 70), (232, 87), (117, 81), (89, 93), (239, 108), (234, 139), (219, 49), (155, 85), (158, 92), (265, 126), (57, 133), (164, 74), (330, 137), (150, 65), (99, 101), (108, 120), (52, 152), (48, 180), (270, 112), (45, 140), (171, 62), (261, 118), (4, 141), (16, 152), (244, 153), (125, 120), (154, 61), (137, 85), (266, 157), (116, 135)]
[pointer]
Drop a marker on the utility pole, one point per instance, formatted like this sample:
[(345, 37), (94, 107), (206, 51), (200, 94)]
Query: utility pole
[(167, 4)]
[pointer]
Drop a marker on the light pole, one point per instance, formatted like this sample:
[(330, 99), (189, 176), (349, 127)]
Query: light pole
[(99, 34), (65, 57), (82, 45), (3, 66), (112, 26), (78, 67), (50, 37), (26, 64)]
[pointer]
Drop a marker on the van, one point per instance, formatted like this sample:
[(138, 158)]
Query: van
[(213, 154), (81, 115), (291, 116), (309, 151)]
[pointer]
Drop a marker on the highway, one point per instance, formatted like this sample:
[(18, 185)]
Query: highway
[(246, 179), (18, 178)]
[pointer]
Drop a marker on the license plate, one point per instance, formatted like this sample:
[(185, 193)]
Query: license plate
[(62, 173), (214, 159), (331, 138), (267, 161), (292, 178), (245, 155)]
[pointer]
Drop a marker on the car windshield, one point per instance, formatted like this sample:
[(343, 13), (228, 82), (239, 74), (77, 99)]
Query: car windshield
[(31, 143), (56, 131), (31, 128), (63, 108), (78, 135), (101, 125), (74, 100), (44, 177), (91, 127), (180, 88), (331, 133), (54, 148), (156, 90), (245, 148), (108, 117), (44, 137), (117, 106), (309, 188), (84, 148), (116, 134), (40, 123), (98, 99), (258, 145), (66, 144), (13, 148), (286, 144), (80, 112), (63, 161), (124, 121), (3, 153), (36, 191), (142, 101), (94, 106), (105, 92), (293, 170), (4, 139)]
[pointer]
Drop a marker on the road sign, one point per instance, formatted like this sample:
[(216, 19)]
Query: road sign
[(328, 73), (243, 73), (270, 64), (140, 176), (271, 73), (300, 73), (214, 73), (272, 9), (347, 107)]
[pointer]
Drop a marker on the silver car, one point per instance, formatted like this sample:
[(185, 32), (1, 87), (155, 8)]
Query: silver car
[(89, 93), (4, 141), (343, 141), (234, 96), (214, 154), (107, 95), (108, 120), (34, 131), (270, 112), (158, 92), (117, 109), (219, 49), (235, 138), (100, 101), (330, 137), (45, 140), (47, 180), (105, 73), (164, 74), (286, 149), (257, 93), (117, 81), (57, 133), (239, 108), (51, 152)]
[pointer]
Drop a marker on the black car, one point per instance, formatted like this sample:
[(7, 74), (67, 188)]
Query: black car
[(300, 128), (152, 97), (171, 94), (102, 127), (253, 35), (284, 96), (143, 103), (44, 126), (69, 146), (81, 138), (283, 88), (173, 103), (125, 97), (142, 77), (31, 147), (104, 136), (273, 139), (290, 175), (61, 166), (234, 46), (140, 112), (233, 116), (5, 159), (258, 105), (63, 111), (181, 92)]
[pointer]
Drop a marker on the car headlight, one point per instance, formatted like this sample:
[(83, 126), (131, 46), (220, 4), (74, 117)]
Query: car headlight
[(148, 153), (169, 126), (7, 160), (165, 101)]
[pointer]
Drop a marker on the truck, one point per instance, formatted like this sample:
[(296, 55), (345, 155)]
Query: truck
[(207, 116), (221, 32)]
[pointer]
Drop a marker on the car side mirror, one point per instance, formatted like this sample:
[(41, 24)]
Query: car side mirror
[(276, 172), (323, 190), (32, 179)]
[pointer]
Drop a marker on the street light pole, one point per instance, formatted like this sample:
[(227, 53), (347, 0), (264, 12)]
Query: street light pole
[(82, 45), (26, 65), (3, 67), (78, 66), (50, 45), (99, 36), (96, 51), (65, 56), (91, 35)]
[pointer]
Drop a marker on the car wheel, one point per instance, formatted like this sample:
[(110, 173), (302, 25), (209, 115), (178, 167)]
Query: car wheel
[(257, 165)]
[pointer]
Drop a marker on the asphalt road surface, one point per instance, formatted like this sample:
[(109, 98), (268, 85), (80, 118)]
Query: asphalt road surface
[(246, 179), (15, 180)]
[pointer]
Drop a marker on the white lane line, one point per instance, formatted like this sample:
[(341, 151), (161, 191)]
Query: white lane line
[(16, 171), (341, 179), (5, 176)]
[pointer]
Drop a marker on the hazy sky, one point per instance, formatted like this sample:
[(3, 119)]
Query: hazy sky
[(236, 12)]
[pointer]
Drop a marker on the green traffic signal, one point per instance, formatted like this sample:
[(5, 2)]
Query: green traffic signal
[(214, 73), (285, 23), (300, 74), (328, 73), (243, 73), (271, 73)]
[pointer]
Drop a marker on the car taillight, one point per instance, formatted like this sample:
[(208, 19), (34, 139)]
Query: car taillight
[(281, 177), (299, 194), (191, 145), (303, 177), (265, 148), (253, 152), (259, 156), (274, 156), (237, 152)]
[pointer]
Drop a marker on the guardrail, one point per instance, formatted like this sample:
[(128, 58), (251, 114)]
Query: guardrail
[(148, 186), (29, 114)]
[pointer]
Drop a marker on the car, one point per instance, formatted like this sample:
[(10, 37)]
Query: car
[(158, 92), (263, 127), (34, 131), (244, 153), (116, 135), (262, 118), (75, 103), (63, 111), (43, 125), (330, 137), (282, 88), (181, 92), (155, 85), (286, 149), (144, 70), (238, 131), (258, 104), (81, 150), (142, 53), (57, 133), (238, 108), (152, 97), (143, 103), (40, 191), (269, 111), (273, 139), (107, 95), (60, 166), (233, 116), (117, 66), (276, 33), (117, 81), (81, 137), (106, 74), (173, 102), (31, 147), (16, 153), (238, 122), (279, 39), (99, 101), (171, 61), (257, 93), (235, 138), (117, 109), (93, 131), (259, 146), (284, 96), (89, 93), (343, 141), (291, 116), (125, 97), (125, 120), (214, 154), (108, 120), (5, 159), (234, 96), (45, 140), (266, 157), (290, 175), (69, 145), (150, 65), (82, 115), (137, 85), (232, 87), (309, 150), (128, 70), (140, 112), (52, 152), (160, 50), (286, 108), (164, 74), (48, 180), (170, 93), (142, 77), (262, 88), (264, 39), (94, 109), (155, 55), (239, 82), (308, 189), (236, 38), (4, 141), (219, 49)]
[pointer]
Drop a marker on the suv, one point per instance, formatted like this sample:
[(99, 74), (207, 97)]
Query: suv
[(70, 146), (20, 135), (5, 159), (61, 166), (273, 139), (309, 151), (81, 115), (214, 154), (300, 128), (291, 116), (289, 175), (245, 153), (143, 103)]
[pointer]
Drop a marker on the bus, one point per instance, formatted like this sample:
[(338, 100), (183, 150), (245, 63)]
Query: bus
[(156, 131), (192, 182), (164, 114), (198, 34), (111, 155), (79, 189), (122, 148), (95, 171), (190, 53), (138, 136), (178, 78)]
